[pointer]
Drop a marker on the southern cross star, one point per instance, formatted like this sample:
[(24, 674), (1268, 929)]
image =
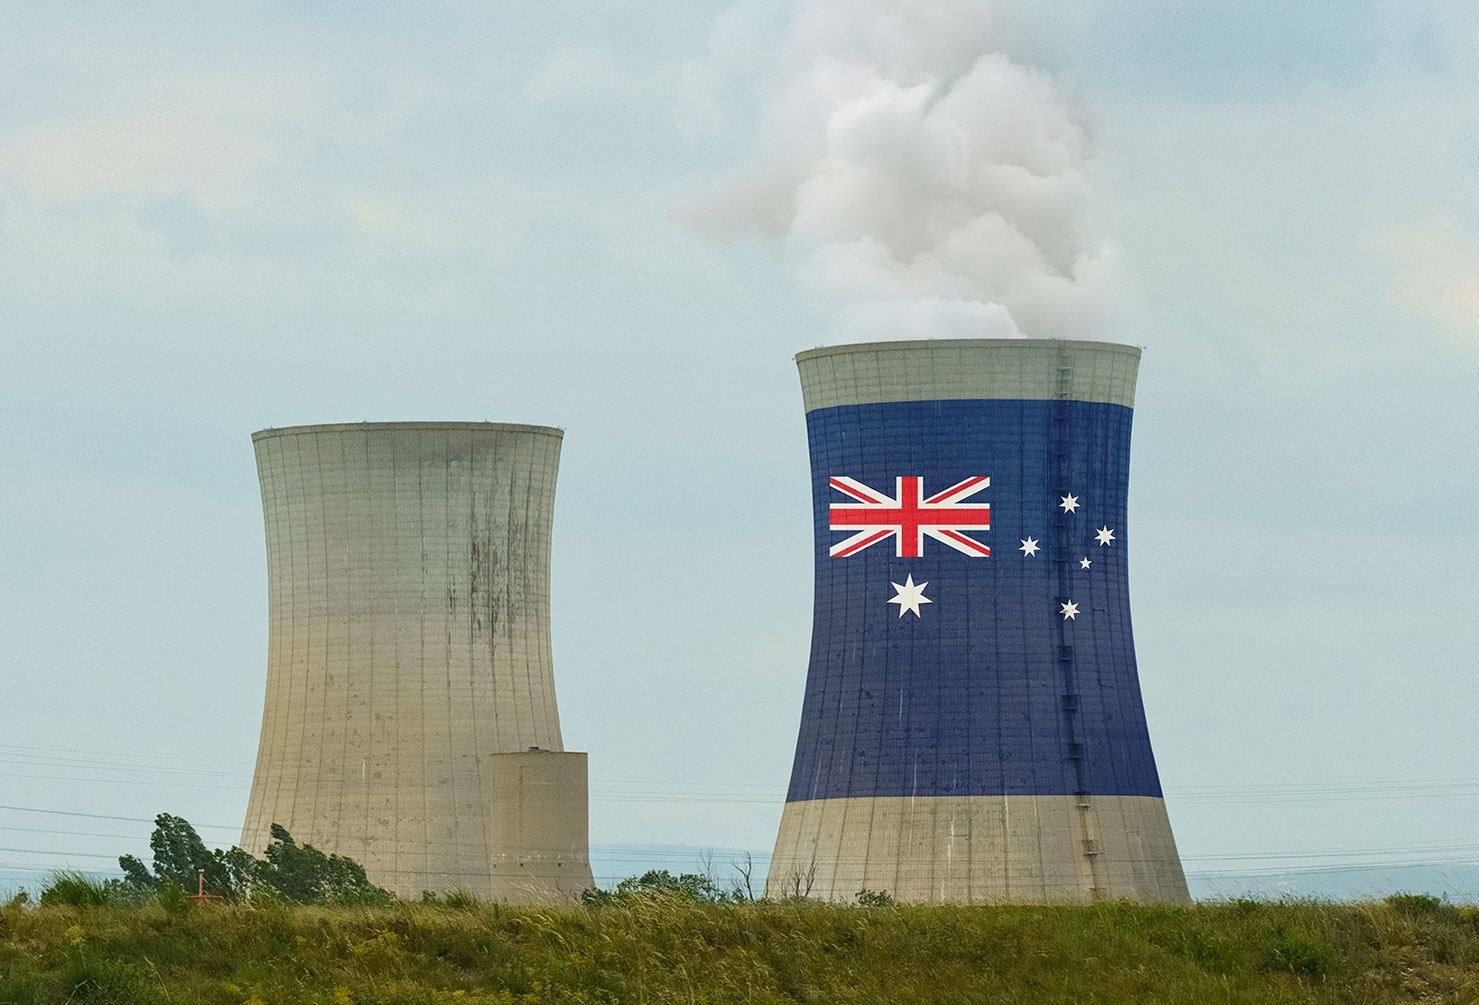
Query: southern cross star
[(1029, 547), (910, 596), (1084, 562), (1069, 611), (1104, 534), (1069, 503)]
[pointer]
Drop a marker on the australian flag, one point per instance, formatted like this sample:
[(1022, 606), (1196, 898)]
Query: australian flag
[(971, 630)]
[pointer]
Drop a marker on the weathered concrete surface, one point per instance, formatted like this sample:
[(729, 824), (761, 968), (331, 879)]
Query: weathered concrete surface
[(540, 825), (942, 369), (977, 849), (1067, 841), (408, 595)]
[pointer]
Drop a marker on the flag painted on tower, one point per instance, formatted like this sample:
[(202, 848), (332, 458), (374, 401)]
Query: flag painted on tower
[(908, 516), (966, 552)]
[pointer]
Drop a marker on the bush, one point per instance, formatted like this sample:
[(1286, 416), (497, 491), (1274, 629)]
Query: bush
[(88, 978), (1415, 903), (171, 897), (658, 883), (874, 898), (291, 872), (305, 875), (1297, 952), (461, 900), (21, 989), (74, 889), (1208, 950)]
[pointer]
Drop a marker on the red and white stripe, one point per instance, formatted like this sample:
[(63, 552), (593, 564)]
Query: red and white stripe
[(909, 516)]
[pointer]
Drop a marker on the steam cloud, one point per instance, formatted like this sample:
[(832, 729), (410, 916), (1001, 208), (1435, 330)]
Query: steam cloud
[(923, 184)]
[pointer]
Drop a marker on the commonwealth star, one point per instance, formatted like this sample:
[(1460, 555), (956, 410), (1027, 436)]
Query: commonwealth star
[(910, 596)]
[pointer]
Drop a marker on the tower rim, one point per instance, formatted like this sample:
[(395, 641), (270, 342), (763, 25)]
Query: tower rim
[(965, 343), (333, 427)]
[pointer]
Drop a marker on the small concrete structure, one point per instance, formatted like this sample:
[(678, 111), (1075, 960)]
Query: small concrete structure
[(409, 669), (540, 818), (972, 729)]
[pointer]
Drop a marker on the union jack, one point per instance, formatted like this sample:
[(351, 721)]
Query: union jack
[(909, 516)]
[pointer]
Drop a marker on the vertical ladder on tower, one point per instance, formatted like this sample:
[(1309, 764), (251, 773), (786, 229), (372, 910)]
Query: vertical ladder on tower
[(1060, 445)]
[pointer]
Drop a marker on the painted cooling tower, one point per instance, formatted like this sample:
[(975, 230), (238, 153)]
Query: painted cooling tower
[(409, 679), (972, 728)]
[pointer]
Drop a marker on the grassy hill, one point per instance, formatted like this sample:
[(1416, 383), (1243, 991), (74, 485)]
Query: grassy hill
[(662, 950)]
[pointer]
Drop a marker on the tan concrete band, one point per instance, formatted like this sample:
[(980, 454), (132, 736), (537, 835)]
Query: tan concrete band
[(978, 849), (540, 820), (950, 369), (408, 641)]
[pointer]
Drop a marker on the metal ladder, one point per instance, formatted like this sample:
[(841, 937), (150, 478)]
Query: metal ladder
[(1060, 444)]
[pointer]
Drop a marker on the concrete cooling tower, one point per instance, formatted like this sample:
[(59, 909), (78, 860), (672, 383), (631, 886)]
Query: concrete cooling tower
[(972, 728), (410, 718)]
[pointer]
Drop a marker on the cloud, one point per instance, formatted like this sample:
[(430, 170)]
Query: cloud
[(696, 92), (576, 72), (1432, 273), (920, 181), (205, 136)]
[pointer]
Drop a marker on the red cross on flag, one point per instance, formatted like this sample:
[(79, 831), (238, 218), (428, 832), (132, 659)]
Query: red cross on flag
[(908, 516)]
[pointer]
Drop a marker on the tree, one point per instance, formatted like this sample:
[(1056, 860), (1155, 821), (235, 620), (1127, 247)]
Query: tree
[(136, 875), (298, 873), (180, 855), (305, 875)]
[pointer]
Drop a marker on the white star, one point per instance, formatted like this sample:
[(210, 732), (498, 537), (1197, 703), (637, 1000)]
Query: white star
[(1084, 562), (910, 596), (1069, 611), (1069, 503), (1029, 547), (1104, 535)]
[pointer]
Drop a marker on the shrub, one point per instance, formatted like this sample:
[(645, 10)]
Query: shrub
[(1297, 952), (171, 897), (659, 883), (88, 978), (874, 898), (21, 989), (305, 875), (74, 889), (291, 872), (461, 900), (1415, 903), (1208, 949)]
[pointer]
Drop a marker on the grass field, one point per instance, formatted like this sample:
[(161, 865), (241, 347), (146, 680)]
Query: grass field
[(665, 950)]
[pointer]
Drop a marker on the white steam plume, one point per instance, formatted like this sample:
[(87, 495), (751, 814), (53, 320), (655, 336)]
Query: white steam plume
[(923, 184)]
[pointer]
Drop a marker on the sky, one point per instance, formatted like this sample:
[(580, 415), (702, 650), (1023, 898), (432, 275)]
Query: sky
[(218, 219)]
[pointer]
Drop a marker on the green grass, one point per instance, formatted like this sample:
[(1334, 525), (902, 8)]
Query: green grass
[(665, 950)]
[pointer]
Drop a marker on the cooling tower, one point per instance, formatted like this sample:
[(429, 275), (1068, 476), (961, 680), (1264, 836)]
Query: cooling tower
[(972, 727), (410, 718)]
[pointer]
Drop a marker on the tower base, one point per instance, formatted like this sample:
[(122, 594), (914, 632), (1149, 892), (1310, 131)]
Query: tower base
[(978, 849), (540, 827)]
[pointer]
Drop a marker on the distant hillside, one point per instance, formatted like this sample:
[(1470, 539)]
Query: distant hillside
[(1458, 883)]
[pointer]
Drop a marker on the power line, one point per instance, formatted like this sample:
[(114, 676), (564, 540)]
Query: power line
[(116, 753), (103, 816), (665, 790)]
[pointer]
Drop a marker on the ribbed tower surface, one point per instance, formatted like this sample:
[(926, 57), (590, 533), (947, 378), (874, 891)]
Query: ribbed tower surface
[(972, 728), (409, 650)]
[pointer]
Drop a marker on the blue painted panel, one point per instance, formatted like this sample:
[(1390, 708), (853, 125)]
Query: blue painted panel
[(990, 690)]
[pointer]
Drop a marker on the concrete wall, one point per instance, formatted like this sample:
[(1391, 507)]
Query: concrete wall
[(540, 826), (408, 596), (986, 747)]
